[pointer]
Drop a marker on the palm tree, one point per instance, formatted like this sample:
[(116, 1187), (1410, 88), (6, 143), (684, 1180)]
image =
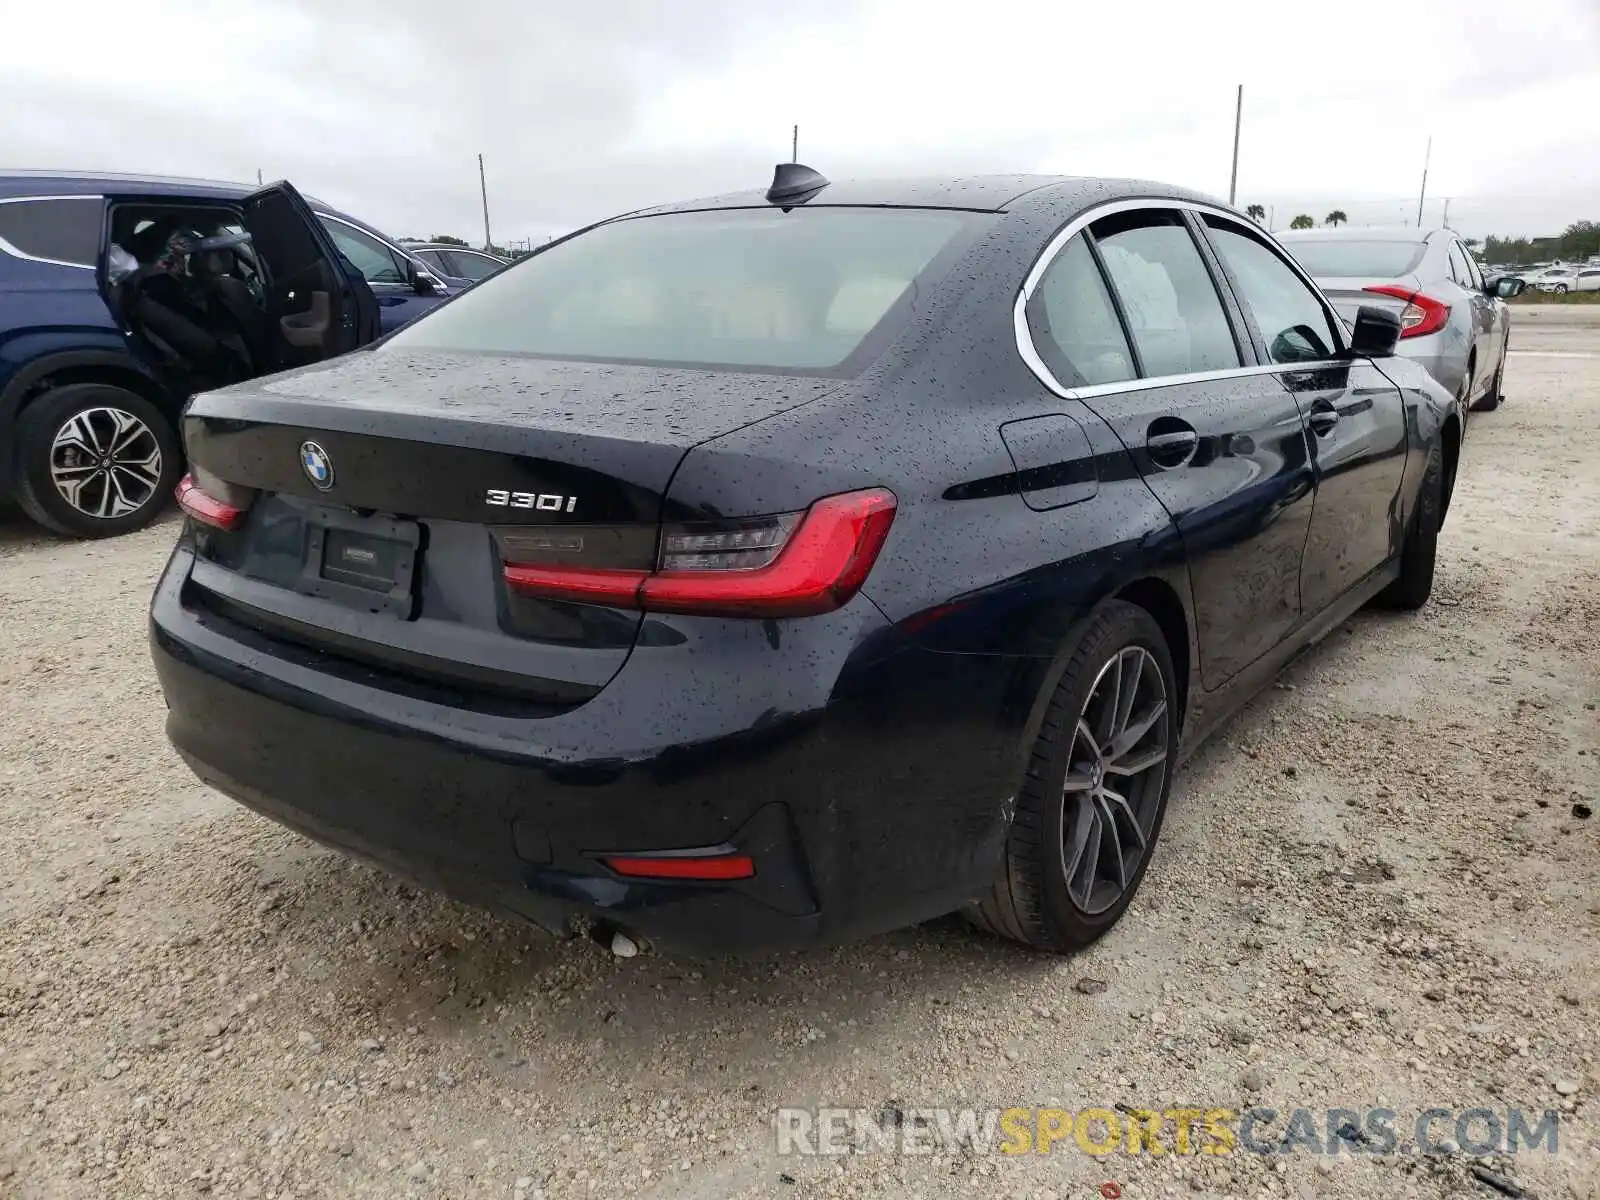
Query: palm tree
[(1336, 218), (1303, 221), (1256, 213)]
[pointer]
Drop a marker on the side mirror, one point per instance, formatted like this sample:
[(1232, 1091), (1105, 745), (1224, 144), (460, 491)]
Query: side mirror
[(422, 282), (1376, 332), (1506, 286)]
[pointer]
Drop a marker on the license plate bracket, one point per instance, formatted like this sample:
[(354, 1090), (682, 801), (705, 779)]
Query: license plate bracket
[(363, 562)]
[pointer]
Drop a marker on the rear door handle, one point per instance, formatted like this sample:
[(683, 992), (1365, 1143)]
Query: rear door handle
[(1172, 447), (1323, 420)]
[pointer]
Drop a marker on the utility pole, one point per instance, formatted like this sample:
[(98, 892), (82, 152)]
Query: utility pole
[(1238, 118), (1423, 195), (483, 189), (1272, 216), (794, 145), (1446, 221), (258, 176)]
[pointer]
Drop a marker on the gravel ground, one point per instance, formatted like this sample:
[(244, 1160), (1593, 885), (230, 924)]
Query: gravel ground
[(1376, 887)]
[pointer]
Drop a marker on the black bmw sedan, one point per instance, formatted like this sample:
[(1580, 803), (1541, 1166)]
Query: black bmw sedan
[(796, 564)]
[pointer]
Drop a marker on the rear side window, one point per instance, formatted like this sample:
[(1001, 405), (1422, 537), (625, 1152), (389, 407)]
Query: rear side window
[(65, 231), (758, 288), (1167, 294), (1292, 320), (1074, 326), (1336, 257)]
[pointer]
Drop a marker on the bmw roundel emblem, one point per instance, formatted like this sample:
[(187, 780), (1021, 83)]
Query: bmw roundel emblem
[(317, 463)]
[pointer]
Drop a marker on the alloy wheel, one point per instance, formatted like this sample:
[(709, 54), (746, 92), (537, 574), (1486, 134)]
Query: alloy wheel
[(105, 462), (1115, 772)]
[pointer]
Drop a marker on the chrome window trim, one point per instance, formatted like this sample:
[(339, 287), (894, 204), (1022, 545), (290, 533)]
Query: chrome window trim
[(14, 252), (1030, 354), (377, 237)]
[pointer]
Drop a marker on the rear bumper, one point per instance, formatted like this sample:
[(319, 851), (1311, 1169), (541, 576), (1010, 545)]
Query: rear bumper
[(871, 796)]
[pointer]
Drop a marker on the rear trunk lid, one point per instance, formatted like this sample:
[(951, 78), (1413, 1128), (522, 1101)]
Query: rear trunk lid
[(383, 494), (1348, 293)]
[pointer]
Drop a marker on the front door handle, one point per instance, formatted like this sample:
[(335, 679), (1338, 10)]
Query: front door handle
[(1172, 447), (1323, 420)]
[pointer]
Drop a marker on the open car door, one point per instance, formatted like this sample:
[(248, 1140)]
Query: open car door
[(322, 305)]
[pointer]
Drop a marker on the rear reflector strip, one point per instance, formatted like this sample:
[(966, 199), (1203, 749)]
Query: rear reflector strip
[(815, 567), (208, 510), (719, 867)]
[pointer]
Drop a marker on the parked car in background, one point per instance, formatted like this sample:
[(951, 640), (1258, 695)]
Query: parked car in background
[(1453, 320), (565, 598), (457, 262), (1561, 280), (122, 295)]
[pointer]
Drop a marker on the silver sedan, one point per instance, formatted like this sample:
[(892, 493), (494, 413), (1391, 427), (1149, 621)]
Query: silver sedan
[(1452, 320)]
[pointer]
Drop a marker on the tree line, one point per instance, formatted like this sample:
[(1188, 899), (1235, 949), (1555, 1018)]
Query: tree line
[(1579, 241)]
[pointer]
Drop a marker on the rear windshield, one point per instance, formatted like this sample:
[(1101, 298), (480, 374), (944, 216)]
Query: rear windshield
[(1384, 260), (733, 287)]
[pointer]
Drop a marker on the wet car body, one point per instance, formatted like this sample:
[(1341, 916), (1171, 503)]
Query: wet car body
[(864, 760)]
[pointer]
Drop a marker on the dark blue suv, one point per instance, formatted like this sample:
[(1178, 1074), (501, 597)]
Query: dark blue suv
[(120, 296)]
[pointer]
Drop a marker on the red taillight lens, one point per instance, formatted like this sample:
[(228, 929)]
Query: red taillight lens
[(1421, 315), (786, 566), (207, 509), (714, 867)]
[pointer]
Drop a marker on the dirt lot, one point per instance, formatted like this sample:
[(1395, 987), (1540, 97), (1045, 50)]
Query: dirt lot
[(1377, 887)]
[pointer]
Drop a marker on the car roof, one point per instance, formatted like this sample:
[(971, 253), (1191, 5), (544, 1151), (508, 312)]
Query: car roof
[(978, 193), (19, 183)]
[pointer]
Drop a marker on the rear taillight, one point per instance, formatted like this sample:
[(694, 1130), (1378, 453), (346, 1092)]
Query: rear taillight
[(792, 565), (206, 508), (1421, 315)]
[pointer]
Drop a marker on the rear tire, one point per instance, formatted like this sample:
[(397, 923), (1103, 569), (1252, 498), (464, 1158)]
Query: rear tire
[(1420, 551), (94, 460), (1095, 793)]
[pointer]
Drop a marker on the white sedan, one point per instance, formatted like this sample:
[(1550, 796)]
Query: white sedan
[(1569, 279)]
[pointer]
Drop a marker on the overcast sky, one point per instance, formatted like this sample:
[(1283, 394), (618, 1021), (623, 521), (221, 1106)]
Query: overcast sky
[(586, 109)]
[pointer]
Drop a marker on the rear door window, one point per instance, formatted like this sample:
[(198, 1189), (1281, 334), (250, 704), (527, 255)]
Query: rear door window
[(1073, 323), (1292, 320), (65, 231), (754, 288), (1166, 292)]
